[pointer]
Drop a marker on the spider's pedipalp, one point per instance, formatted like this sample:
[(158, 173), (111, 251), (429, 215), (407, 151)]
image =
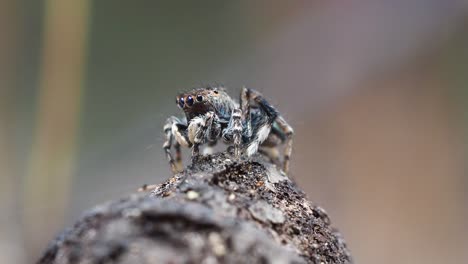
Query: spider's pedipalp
[(179, 132), (195, 129), (203, 128)]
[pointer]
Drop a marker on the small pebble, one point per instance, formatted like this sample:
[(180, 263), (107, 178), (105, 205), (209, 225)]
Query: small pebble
[(192, 195), (131, 213), (217, 244)]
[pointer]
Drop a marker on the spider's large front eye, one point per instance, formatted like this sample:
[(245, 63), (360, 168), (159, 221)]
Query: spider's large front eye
[(189, 100), (199, 98), (181, 102)]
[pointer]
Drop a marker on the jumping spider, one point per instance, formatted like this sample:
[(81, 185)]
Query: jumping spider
[(211, 114)]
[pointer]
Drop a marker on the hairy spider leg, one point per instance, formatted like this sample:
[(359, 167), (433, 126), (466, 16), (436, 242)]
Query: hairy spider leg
[(271, 153), (269, 147), (168, 143), (178, 154), (179, 131), (175, 135), (261, 134), (237, 131), (233, 132), (248, 95), (289, 132), (245, 107)]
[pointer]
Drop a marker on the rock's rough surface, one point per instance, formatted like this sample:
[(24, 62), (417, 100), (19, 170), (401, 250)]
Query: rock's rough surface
[(216, 211)]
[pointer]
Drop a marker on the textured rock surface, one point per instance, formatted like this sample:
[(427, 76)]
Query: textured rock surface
[(216, 211)]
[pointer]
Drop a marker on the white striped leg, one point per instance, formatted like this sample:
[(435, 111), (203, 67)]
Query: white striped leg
[(289, 132), (245, 107), (167, 146), (178, 156), (237, 132), (249, 94), (175, 134)]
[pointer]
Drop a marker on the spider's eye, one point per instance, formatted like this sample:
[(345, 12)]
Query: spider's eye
[(199, 98), (189, 100), (181, 102)]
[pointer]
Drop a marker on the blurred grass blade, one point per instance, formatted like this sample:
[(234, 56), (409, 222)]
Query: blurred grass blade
[(52, 159)]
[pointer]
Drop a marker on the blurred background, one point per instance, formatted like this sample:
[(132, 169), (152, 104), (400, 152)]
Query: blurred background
[(376, 92)]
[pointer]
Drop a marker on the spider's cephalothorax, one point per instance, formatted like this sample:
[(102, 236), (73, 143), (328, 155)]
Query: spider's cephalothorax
[(211, 114)]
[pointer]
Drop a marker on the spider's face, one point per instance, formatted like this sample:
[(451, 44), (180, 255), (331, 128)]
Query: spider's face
[(202, 100)]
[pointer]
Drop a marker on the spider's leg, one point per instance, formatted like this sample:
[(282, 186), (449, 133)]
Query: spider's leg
[(213, 133), (167, 146), (273, 116), (262, 127), (272, 153), (237, 131), (178, 154), (245, 107), (174, 130), (269, 147), (179, 130), (233, 132), (289, 133)]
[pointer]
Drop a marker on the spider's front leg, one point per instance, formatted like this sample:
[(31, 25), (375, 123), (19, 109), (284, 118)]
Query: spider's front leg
[(233, 132), (176, 134)]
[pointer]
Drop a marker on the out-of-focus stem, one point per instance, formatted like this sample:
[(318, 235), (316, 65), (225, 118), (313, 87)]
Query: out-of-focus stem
[(51, 167), (11, 249)]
